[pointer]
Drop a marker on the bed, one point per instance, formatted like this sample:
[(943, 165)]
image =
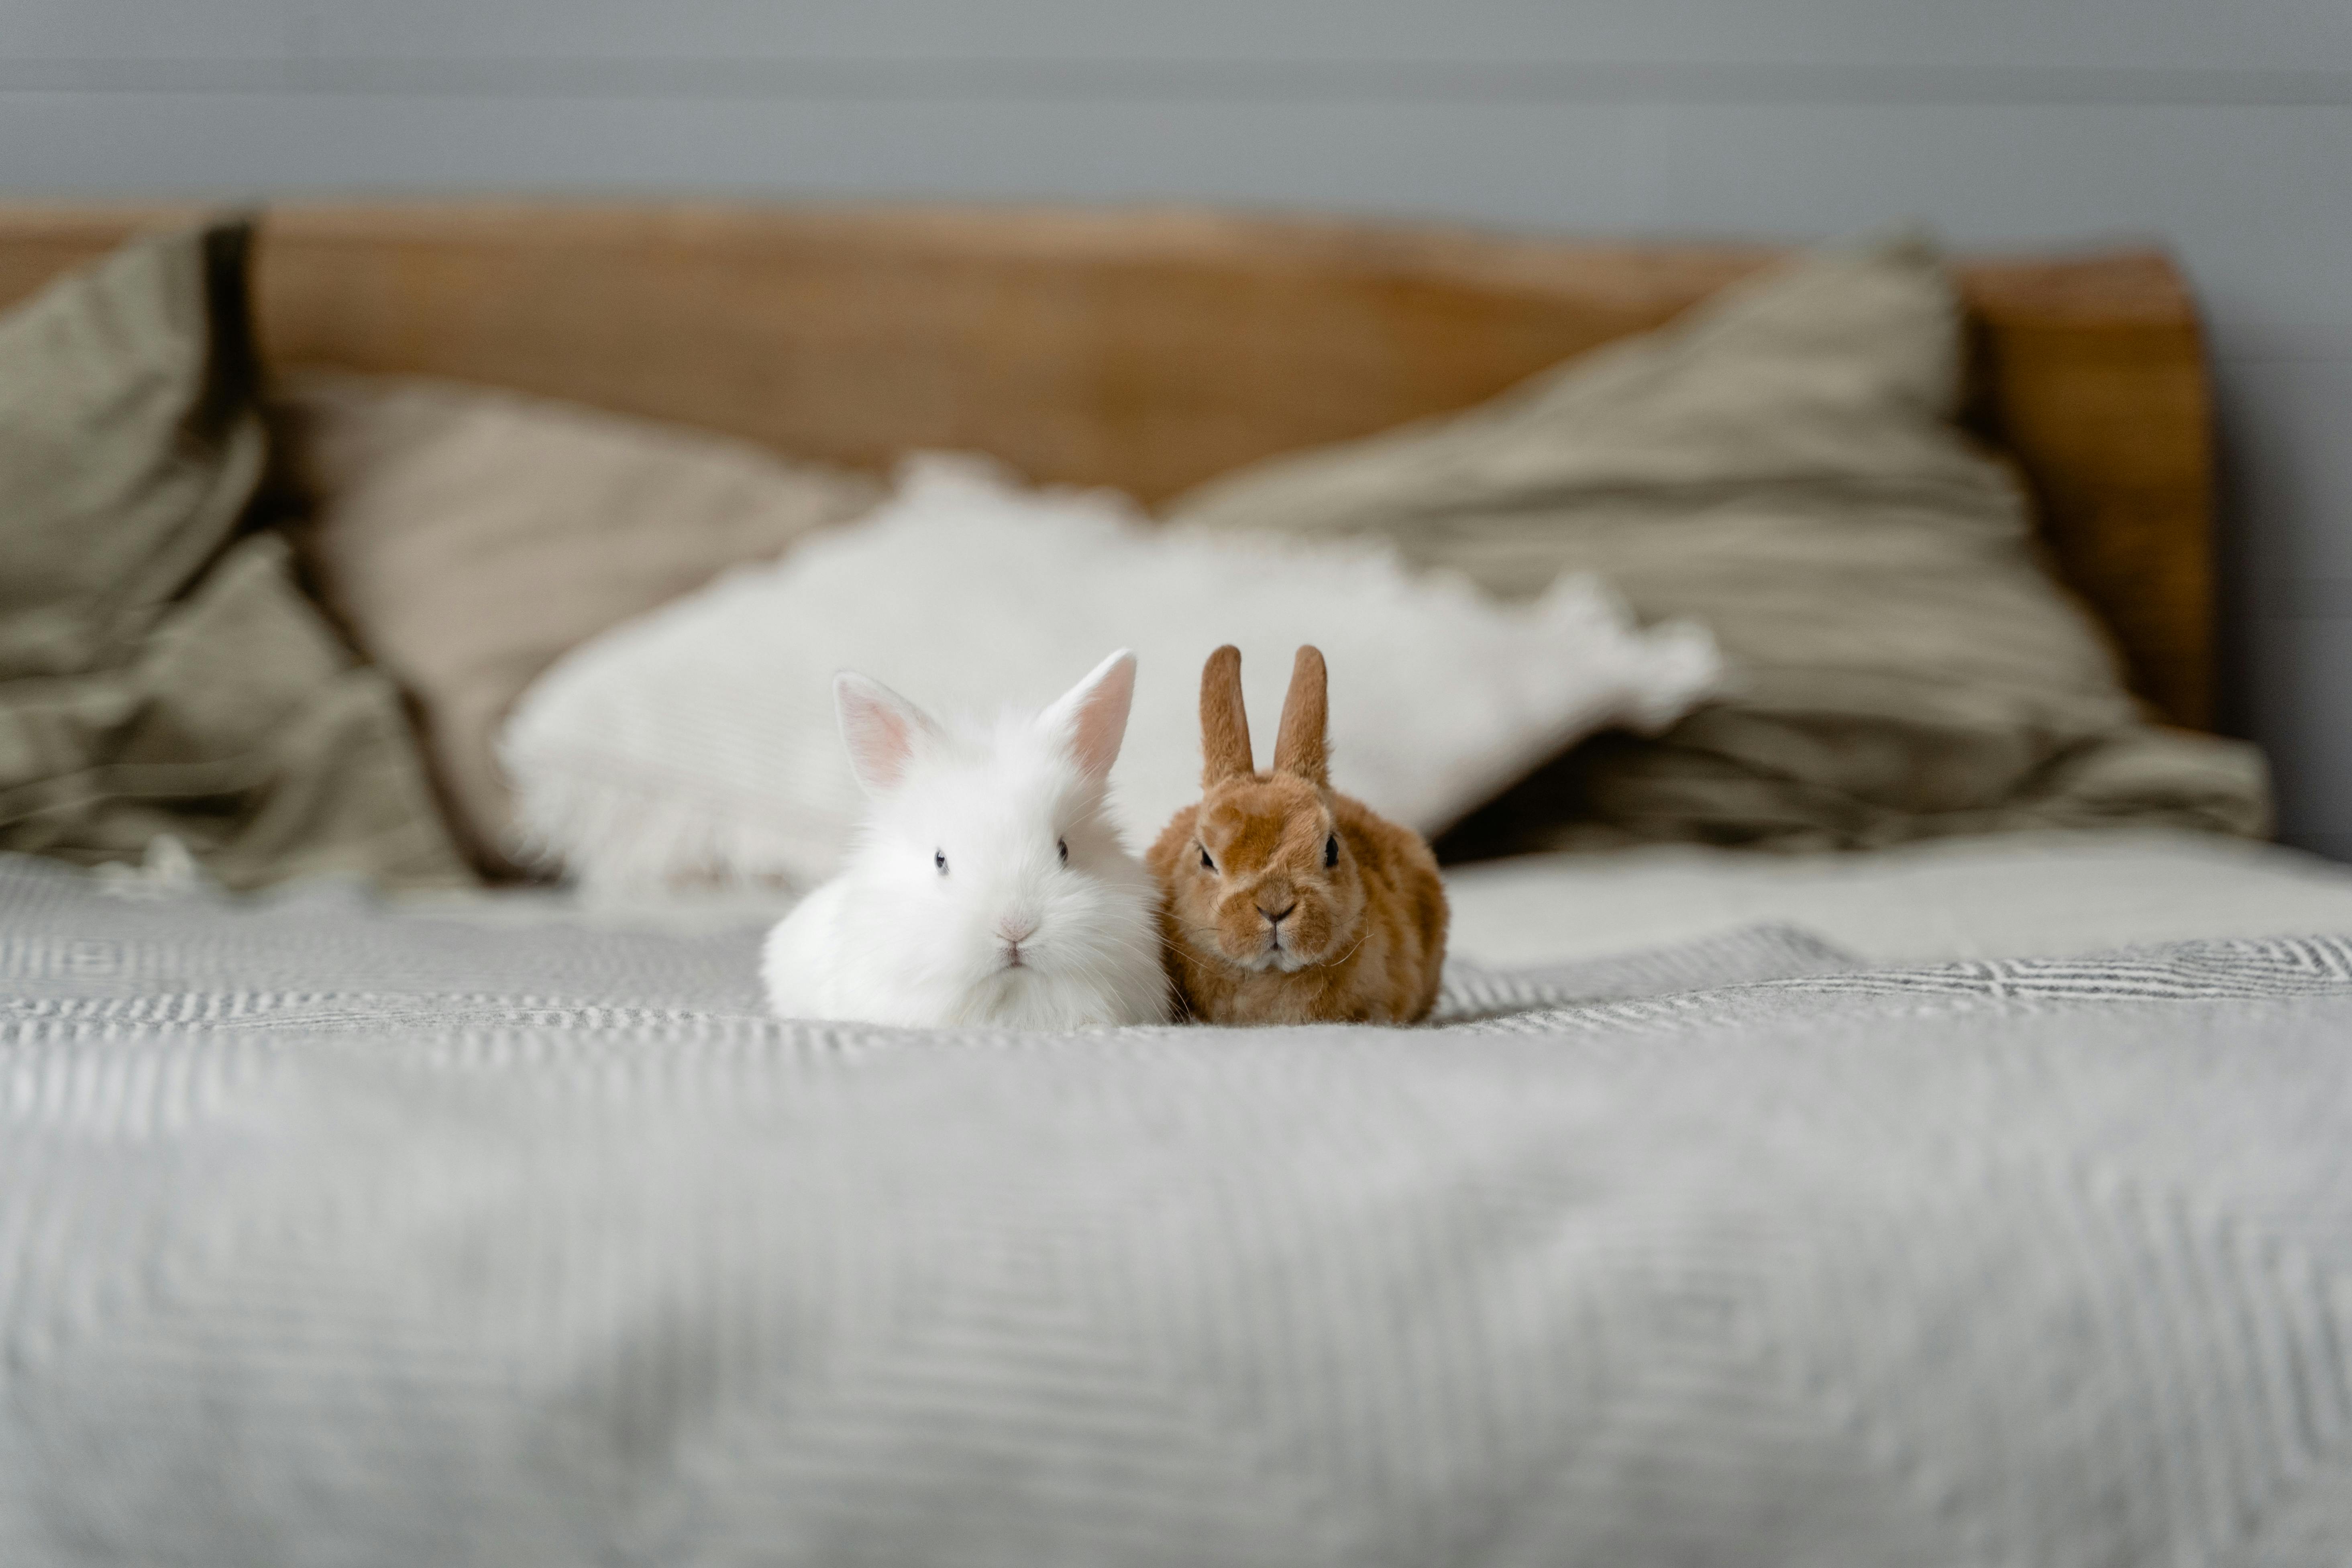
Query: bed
[(1982, 1201)]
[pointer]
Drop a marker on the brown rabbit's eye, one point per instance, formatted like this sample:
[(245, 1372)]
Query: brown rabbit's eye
[(1331, 851), (1207, 864)]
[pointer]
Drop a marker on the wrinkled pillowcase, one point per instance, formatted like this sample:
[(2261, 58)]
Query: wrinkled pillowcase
[(699, 744), (158, 675), (467, 537), (1781, 466)]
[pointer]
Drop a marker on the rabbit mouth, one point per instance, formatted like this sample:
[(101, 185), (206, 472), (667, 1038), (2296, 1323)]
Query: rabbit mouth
[(1275, 955)]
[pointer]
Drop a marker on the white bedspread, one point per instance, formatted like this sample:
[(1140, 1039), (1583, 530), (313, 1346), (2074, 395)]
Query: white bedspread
[(333, 1235)]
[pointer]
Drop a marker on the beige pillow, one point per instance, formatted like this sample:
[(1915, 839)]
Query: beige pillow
[(469, 537), (1780, 465)]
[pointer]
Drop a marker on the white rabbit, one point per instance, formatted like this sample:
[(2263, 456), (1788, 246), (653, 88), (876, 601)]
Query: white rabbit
[(989, 885)]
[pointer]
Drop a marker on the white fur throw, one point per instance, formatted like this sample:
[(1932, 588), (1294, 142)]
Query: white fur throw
[(698, 743)]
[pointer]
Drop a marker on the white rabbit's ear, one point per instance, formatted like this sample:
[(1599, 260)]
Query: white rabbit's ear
[(879, 727), (1090, 719)]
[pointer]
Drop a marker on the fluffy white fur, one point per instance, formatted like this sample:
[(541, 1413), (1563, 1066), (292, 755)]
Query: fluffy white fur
[(697, 744), (988, 884)]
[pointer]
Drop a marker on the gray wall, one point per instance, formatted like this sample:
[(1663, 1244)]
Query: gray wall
[(2221, 126)]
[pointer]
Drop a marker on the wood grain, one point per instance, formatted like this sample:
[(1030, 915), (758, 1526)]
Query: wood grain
[(1149, 350)]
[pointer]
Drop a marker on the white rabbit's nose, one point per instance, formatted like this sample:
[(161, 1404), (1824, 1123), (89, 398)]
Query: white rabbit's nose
[(1017, 929)]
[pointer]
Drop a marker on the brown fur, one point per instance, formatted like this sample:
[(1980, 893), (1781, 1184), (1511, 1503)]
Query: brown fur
[(1368, 932)]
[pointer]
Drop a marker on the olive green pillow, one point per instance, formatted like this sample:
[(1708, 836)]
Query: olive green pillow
[(160, 674), (1781, 465)]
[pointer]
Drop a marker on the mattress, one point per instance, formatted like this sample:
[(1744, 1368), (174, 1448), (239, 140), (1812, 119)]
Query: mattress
[(2011, 895), (2016, 895)]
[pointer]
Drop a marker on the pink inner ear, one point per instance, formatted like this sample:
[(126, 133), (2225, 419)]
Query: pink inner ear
[(880, 738), (1100, 730), (1099, 722)]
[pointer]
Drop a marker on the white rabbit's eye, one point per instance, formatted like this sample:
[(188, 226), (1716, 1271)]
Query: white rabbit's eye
[(1064, 846), (1331, 851), (940, 858), (1207, 864)]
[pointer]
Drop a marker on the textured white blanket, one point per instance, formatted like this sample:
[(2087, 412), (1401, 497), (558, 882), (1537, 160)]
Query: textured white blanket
[(698, 744)]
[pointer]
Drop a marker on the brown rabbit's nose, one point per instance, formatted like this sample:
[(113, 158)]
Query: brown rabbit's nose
[(1275, 917)]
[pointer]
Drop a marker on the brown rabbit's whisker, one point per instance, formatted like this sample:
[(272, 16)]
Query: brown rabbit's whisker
[(1335, 963)]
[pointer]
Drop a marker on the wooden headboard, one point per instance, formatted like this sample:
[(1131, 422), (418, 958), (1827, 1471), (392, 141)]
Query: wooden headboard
[(1149, 350)]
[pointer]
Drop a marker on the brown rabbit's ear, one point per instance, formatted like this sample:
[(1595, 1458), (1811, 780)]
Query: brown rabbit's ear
[(1224, 723), (1298, 746)]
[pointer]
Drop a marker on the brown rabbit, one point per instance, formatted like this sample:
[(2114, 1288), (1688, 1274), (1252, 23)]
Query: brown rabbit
[(1287, 902)]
